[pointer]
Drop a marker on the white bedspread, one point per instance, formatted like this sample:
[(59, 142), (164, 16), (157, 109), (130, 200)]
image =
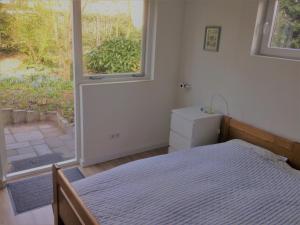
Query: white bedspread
[(218, 184)]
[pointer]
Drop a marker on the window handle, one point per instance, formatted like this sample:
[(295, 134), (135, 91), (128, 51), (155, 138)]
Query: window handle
[(266, 28), (137, 75), (95, 77)]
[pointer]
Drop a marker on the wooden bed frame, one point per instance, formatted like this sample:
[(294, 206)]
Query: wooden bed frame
[(69, 209), (233, 129)]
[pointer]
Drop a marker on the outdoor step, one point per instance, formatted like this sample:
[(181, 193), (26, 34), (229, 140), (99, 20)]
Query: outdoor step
[(51, 116), (13, 116), (32, 116), (6, 116), (43, 116), (19, 116)]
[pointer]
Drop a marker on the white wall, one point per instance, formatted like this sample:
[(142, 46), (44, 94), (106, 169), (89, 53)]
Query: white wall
[(262, 91), (2, 154), (139, 111)]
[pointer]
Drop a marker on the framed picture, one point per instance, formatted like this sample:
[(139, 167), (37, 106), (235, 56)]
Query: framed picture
[(212, 38)]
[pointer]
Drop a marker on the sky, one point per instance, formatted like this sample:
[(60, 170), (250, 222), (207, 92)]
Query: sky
[(105, 7), (108, 7)]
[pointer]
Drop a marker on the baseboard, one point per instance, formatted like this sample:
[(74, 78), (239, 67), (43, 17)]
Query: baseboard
[(102, 158)]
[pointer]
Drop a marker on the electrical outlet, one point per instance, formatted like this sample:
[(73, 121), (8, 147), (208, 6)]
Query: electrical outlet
[(114, 136)]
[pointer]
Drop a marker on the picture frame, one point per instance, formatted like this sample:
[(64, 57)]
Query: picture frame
[(212, 38)]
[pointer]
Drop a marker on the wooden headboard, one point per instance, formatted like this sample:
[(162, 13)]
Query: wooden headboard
[(233, 129)]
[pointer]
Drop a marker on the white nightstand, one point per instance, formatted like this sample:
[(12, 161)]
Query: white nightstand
[(190, 127)]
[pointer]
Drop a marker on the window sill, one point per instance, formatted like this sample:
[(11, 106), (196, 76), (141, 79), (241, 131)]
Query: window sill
[(86, 81), (275, 57), (117, 78)]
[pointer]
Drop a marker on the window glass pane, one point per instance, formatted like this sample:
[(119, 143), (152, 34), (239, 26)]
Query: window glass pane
[(112, 36), (286, 33), (36, 80)]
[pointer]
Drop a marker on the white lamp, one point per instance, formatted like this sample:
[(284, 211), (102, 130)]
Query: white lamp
[(212, 100)]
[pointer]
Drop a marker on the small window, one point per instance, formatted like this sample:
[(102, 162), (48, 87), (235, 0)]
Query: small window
[(281, 30), (114, 37)]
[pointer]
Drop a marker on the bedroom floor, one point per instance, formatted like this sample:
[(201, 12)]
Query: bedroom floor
[(44, 216)]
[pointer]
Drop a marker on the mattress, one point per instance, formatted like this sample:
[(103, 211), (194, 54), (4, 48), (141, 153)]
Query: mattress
[(226, 183)]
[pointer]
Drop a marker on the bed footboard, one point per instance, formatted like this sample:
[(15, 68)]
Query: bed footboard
[(68, 208)]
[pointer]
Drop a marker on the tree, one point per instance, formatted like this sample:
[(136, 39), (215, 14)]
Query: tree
[(6, 38), (287, 27), (40, 30)]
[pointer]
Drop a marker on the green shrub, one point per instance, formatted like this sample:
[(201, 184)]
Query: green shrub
[(117, 55), (38, 92)]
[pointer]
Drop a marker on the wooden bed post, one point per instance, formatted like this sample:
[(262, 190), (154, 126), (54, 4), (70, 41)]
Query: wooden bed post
[(224, 130), (68, 208), (57, 219), (295, 162)]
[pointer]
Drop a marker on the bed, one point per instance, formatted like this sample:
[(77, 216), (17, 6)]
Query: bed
[(234, 182)]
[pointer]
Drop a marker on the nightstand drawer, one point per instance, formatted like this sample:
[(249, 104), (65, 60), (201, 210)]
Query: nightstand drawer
[(182, 126), (177, 142), (190, 127)]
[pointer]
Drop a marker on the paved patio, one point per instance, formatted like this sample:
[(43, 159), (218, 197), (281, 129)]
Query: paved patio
[(30, 141)]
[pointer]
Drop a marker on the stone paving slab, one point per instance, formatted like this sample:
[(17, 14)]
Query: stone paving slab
[(17, 145), (6, 131), (9, 139), (42, 149), (25, 150), (70, 144), (45, 126), (29, 136), (37, 142), (12, 152), (37, 139), (22, 129), (66, 137), (51, 129), (54, 142), (21, 157), (68, 155), (53, 134)]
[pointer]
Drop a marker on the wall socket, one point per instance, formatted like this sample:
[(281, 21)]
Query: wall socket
[(115, 136), (185, 85)]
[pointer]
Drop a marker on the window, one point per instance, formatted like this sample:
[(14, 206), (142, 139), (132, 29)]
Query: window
[(281, 30), (114, 37)]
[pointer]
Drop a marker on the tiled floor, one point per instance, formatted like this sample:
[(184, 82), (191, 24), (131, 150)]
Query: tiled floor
[(37, 139)]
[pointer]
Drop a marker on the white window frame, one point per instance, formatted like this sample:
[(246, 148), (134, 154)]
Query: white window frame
[(267, 28), (79, 79), (147, 49)]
